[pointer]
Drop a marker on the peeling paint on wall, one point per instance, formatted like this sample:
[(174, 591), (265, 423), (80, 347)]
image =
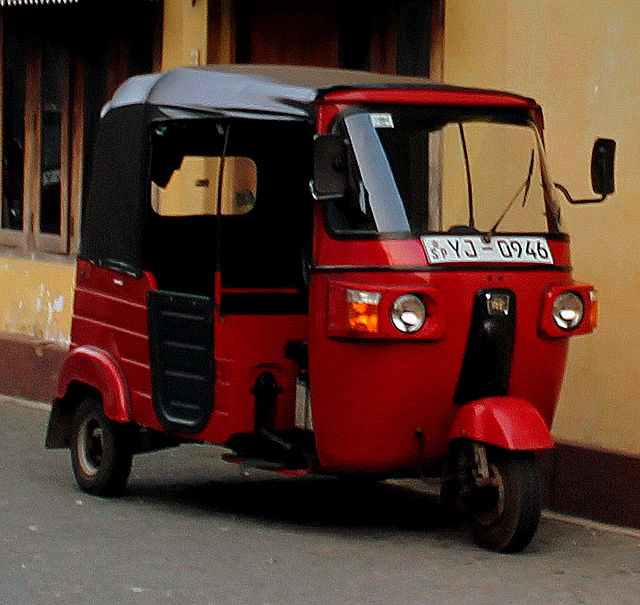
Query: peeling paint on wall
[(36, 299)]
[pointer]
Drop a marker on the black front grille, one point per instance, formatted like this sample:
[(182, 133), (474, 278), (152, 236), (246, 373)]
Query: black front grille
[(486, 367)]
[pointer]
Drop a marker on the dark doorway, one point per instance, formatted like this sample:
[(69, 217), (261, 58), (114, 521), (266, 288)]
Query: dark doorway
[(386, 37)]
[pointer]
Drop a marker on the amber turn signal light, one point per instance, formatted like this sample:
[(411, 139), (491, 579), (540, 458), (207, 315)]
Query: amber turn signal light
[(362, 311)]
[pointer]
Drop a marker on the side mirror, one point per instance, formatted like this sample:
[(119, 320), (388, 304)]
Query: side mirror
[(329, 167), (602, 172), (602, 166)]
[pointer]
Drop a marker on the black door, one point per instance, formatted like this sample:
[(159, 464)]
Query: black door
[(182, 363)]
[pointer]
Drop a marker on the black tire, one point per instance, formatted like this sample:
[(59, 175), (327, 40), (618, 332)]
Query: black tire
[(505, 517), (101, 453)]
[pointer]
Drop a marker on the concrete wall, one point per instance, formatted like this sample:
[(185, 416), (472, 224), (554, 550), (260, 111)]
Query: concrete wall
[(197, 33), (36, 297), (185, 36), (580, 60)]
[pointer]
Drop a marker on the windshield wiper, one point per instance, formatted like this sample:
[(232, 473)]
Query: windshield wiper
[(526, 185), (463, 140)]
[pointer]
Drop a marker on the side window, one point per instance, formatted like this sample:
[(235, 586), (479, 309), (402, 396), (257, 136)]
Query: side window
[(193, 188), (52, 191), (35, 183), (53, 84), (264, 244), (265, 253), (13, 106)]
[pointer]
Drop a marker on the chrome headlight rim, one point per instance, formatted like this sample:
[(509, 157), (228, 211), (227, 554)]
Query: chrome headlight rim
[(408, 313), (568, 310)]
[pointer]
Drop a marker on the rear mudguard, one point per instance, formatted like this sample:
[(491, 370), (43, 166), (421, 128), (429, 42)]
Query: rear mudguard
[(511, 423), (98, 369)]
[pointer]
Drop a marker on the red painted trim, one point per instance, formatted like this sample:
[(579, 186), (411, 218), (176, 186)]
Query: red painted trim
[(593, 482), (29, 366), (294, 473), (98, 369), (334, 102), (508, 422), (426, 96)]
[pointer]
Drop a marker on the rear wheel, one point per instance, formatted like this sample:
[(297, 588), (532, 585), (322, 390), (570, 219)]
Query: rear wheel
[(101, 452), (505, 512)]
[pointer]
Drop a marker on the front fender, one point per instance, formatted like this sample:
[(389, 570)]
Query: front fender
[(511, 423), (98, 369)]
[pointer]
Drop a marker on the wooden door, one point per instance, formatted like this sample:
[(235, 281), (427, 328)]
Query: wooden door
[(322, 33)]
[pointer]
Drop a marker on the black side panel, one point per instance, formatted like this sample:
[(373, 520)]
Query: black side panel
[(181, 348), (486, 368), (118, 187)]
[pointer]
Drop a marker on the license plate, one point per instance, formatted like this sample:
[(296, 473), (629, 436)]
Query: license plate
[(474, 249)]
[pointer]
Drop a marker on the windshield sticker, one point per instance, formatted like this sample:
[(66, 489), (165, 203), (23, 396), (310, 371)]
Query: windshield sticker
[(478, 249), (381, 120)]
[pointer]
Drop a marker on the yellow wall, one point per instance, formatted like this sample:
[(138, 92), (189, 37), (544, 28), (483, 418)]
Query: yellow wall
[(197, 34), (36, 298), (185, 33), (580, 60)]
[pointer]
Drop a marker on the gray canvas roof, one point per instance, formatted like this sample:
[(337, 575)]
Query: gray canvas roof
[(267, 89)]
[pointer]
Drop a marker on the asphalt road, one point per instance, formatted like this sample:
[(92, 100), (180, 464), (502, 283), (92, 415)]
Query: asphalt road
[(195, 530)]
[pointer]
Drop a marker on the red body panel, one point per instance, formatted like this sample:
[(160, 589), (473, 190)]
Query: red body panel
[(110, 315), (399, 253), (508, 422), (434, 96), (98, 369), (384, 389), (246, 346)]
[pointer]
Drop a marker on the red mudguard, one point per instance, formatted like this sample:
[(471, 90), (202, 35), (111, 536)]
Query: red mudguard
[(96, 368), (511, 423)]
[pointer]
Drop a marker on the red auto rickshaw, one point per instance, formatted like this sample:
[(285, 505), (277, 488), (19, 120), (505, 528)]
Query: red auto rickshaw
[(325, 271)]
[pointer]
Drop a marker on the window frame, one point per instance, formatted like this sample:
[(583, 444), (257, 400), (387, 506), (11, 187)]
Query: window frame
[(333, 213), (30, 237)]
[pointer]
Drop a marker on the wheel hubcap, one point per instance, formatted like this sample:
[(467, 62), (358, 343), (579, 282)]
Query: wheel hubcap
[(90, 446)]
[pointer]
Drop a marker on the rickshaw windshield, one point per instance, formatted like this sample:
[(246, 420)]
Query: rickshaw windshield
[(422, 170)]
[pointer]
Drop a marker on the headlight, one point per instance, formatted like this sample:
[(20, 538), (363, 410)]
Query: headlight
[(408, 313), (568, 310)]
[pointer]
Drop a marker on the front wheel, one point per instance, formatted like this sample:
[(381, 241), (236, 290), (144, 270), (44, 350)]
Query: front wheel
[(505, 512), (101, 453)]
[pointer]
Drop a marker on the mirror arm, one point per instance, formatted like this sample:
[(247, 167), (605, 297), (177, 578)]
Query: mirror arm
[(321, 198), (572, 201)]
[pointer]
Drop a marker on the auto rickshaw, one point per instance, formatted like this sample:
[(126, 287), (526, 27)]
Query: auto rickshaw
[(325, 271)]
